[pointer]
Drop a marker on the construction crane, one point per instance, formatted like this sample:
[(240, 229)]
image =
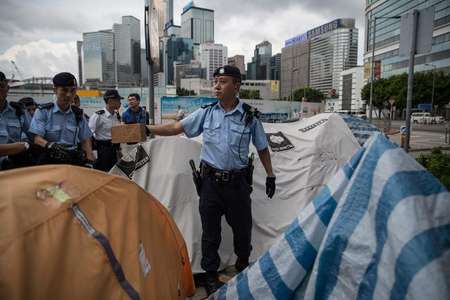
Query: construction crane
[(17, 70)]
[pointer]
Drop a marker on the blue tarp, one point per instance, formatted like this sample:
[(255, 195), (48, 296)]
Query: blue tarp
[(380, 229)]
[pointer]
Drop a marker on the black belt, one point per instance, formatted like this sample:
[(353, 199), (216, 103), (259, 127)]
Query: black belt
[(221, 175), (103, 142)]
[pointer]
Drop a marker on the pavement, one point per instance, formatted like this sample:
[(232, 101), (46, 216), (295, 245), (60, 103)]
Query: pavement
[(224, 276), (423, 137)]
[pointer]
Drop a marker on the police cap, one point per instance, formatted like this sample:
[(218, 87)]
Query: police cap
[(64, 79), (112, 94), (27, 101), (228, 71)]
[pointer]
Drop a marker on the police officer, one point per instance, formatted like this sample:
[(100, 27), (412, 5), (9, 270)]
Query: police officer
[(29, 104), (135, 113), (58, 127), (227, 127), (14, 125), (100, 124)]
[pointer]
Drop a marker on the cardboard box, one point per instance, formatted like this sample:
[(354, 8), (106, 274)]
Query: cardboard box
[(128, 133)]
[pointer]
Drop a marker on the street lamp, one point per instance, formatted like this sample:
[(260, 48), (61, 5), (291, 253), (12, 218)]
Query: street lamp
[(372, 77), (432, 89)]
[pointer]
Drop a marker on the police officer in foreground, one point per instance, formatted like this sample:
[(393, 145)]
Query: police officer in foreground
[(100, 124), (59, 128), (227, 127), (14, 125)]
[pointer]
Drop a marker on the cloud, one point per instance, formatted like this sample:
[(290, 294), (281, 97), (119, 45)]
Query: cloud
[(40, 58), (239, 24)]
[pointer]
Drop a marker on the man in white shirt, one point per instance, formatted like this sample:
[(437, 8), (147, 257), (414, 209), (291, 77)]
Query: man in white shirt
[(100, 124)]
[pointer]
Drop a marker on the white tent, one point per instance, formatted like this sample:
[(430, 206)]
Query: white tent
[(305, 155)]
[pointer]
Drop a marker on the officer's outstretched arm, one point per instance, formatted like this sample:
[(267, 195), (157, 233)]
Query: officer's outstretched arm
[(86, 145), (12, 149), (40, 141), (167, 129)]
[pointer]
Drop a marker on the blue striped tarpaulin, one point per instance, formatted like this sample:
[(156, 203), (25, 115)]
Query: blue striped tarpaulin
[(361, 129), (380, 229)]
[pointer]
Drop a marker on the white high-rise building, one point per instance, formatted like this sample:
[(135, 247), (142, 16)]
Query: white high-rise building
[(197, 24), (213, 56)]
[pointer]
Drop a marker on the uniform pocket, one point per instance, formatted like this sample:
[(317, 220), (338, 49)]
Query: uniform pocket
[(72, 132), (53, 133), (239, 133), (211, 132), (14, 130)]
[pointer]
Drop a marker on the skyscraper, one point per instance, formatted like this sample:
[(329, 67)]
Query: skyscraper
[(275, 67), (197, 24), (333, 49), (259, 68), (316, 58), (238, 61), (294, 65), (98, 56), (387, 36), (178, 51), (213, 56), (127, 41)]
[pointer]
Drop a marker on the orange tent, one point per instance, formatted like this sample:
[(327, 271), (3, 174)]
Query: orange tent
[(74, 233)]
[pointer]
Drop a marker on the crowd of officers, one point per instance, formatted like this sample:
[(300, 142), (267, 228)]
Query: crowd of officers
[(59, 132)]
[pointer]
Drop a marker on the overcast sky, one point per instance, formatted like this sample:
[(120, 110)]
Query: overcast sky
[(40, 35)]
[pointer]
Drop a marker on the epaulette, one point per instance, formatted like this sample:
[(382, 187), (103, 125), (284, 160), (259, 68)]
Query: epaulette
[(209, 105), (18, 107), (100, 112), (49, 105)]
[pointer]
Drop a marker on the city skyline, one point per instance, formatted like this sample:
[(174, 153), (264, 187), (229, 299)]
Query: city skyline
[(51, 47)]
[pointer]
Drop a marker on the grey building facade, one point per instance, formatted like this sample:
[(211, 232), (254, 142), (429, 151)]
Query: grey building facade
[(316, 58), (294, 68), (127, 42), (387, 37), (98, 57), (197, 24)]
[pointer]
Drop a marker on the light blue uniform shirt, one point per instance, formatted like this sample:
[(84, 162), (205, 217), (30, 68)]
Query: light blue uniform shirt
[(59, 126), (13, 128), (222, 133)]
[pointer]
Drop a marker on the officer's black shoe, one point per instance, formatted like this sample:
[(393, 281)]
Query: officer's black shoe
[(241, 264), (212, 283)]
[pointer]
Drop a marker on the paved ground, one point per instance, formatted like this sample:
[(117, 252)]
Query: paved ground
[(423, 140), (224, 276)]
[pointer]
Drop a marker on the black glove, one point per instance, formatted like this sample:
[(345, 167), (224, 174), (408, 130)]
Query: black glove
[(89, 164), (58, 152), (270, 186)]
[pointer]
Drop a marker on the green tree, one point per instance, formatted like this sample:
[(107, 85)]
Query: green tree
[(185, 92), (312, 95), (438, 163), (396, 87)]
